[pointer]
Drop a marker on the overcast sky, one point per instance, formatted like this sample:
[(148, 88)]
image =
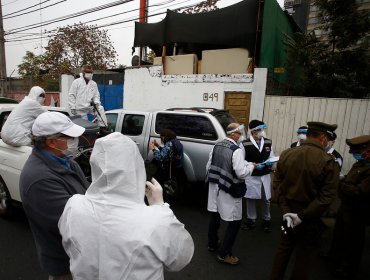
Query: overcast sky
[(122, 35)]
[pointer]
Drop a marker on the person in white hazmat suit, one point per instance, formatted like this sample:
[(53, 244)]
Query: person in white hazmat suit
[(16, 130), (110, 233), (83, 93)]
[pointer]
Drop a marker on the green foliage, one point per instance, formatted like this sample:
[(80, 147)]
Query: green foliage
[(32, 69), (202, 7), (337, 64), (31, 65)]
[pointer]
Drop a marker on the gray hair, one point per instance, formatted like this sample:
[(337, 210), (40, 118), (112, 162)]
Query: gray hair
[(40, 141)]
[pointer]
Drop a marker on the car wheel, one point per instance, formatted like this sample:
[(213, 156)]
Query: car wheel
[(5, 200)]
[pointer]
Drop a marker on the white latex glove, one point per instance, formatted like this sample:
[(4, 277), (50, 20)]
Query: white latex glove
[(289, 221), (73, 112), (294, 217), (154, 192)]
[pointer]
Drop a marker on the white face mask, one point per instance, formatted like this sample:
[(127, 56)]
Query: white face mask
[(241, 139), (40, 100), (302, 137), (72, 144), (88, 76), (261, 134), (72, 147)]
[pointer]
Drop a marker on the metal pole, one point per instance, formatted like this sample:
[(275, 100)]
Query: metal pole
[(2, 56), (143, 17)]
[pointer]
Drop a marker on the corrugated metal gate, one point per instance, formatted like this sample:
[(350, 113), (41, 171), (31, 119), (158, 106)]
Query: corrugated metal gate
[(111, 96), (285, 114)]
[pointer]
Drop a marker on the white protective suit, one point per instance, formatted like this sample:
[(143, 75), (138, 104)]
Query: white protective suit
[(254, 183), (80, 97), (16, 130), (229, 208), (110, 233)]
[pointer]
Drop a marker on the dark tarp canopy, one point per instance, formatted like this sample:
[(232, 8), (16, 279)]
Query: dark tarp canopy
[(230, 27)]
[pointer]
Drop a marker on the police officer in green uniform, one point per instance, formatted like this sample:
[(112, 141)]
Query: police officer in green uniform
[(354, 212), (306, 181)]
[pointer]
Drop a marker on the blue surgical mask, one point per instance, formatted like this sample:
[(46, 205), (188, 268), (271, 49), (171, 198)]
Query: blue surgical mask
[(357, 156)]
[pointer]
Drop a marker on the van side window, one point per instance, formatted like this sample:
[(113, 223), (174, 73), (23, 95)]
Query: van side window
[(133, 124), (112, 121), (187, 126)]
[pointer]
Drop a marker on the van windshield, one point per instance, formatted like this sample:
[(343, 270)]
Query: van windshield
[(223, 117)]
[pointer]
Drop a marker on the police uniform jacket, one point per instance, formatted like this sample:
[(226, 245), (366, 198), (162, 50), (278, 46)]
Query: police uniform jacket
[(355, 188), (306, 180), (229, 208), (258, 154)]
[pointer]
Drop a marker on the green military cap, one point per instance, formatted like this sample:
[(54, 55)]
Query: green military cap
[(358, 143), (324, 127)]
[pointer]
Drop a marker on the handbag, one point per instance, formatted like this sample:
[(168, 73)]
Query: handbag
[(170, 185)]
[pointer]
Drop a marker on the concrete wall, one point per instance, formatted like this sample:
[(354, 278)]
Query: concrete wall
[(147, 89), (51, 98)]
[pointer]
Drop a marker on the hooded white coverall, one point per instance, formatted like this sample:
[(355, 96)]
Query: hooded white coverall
[(80, 97), (16, 130), (110, 233)]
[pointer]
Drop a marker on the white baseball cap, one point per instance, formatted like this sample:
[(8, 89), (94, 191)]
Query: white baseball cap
[(50, 123)]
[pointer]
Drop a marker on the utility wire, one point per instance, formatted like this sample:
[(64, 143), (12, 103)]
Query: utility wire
[(10, 3), (84, 12), (21, 10), (133, 10), (17, 39), (39, 9), (53, 31)]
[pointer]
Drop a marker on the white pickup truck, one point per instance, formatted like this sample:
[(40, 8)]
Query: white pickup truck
[(12, 159), (198, 129)]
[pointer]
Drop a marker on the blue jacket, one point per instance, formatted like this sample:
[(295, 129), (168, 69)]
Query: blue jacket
[(45, 186)]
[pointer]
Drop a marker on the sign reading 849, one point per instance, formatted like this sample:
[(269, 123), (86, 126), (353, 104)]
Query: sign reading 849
[(212, 97)]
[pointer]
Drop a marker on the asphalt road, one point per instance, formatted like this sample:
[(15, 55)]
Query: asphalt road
[(254, 248)]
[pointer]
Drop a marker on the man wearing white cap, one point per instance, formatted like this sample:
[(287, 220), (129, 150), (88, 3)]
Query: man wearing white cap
[(48, 179)]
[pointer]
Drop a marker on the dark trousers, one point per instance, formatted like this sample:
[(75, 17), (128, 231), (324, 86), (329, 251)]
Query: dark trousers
[(229, 237), (349, 237), (305, 241)]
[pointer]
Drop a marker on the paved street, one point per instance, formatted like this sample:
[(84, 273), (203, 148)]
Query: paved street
[(255, 248)]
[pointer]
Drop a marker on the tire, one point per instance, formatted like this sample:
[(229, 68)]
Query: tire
[(5, 200)]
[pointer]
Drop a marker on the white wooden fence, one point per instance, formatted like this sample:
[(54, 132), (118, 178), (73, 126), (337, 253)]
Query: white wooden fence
[(284, 115)]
